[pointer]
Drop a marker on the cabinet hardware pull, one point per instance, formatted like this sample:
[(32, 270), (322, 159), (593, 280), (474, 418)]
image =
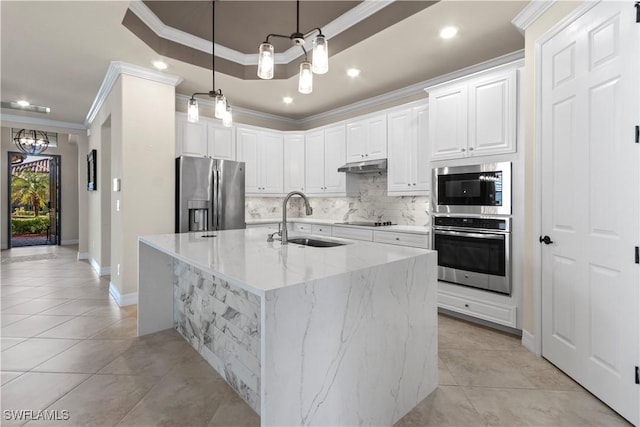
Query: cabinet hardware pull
[(397, 238), (462, 149), (470, 148)]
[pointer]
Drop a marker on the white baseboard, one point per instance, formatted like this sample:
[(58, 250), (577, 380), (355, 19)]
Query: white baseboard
[(122, 300), (83, 255), (528, 341), (69, 242), (101, 271)]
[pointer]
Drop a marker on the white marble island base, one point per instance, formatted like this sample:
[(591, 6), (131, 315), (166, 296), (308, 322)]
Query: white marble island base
[(355, 348)]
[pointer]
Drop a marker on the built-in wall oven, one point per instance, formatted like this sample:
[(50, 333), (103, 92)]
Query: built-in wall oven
[(483, 189), (474, 251)]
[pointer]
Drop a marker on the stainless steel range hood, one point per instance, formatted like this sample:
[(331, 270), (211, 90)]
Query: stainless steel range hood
[(365, 167)]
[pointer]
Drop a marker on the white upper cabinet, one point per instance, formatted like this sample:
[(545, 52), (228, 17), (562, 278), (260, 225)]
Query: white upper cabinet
[(474, 116), (409, 172), (294, 162), (325, 152), (206, 138), (367, 139), (262, 152)]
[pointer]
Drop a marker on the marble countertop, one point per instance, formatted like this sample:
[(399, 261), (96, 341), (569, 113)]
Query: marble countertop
[(415, 229), (244, 257)]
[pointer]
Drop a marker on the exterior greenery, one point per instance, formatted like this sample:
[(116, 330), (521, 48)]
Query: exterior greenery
[(31, 189), (29, 225)]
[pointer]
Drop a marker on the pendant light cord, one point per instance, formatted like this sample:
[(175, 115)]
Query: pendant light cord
[(213, 46)]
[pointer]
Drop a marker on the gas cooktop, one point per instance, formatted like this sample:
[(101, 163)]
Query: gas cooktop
[(368, 223)]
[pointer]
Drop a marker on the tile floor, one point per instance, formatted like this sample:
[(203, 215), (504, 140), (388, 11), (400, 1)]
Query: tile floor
[(65, 345)]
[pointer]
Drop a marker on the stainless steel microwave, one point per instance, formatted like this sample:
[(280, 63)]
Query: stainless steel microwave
[(478, 189)]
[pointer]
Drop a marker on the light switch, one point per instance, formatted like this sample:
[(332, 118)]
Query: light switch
[(116, 184), (117, 205)]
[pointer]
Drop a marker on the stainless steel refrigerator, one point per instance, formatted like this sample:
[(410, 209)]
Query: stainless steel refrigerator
[(209, 194)]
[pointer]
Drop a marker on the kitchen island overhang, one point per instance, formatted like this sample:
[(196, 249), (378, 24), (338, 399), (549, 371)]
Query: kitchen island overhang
[(307, 336)]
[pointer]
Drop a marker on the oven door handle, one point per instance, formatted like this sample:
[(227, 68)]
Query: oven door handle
[(472, 235)]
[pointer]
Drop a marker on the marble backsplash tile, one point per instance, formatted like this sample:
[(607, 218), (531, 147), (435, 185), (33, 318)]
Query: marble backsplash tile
[(371, 204)]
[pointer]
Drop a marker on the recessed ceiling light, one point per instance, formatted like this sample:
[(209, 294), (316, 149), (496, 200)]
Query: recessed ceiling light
[(448, 32), (160, 65), (287, 100), (23, 103), (353, 72)]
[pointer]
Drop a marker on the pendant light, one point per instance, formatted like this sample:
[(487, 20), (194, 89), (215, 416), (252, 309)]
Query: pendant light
[(320, 55), (31, 141), (222, 110)]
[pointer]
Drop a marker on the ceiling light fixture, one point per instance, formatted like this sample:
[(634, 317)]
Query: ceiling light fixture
[(160, 65), (320, 55), (353, 72), (448, 32), (31, 141), (287, 100), (222, 109), (23, 103)]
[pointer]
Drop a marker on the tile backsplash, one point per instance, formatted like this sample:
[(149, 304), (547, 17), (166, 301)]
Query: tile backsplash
[(371, 204)]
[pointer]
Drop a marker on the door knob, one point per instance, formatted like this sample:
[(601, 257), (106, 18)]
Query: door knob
[(546, 240)]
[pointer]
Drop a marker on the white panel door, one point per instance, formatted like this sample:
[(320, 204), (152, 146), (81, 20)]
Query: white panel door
[(334, 157), (400, 130), (294, 163), (448, 119), (191, 138), (376, 137), (421, 166), (271, 162), (247, 140), (492, 114), (591, 203), (314, 162), (356, 142), (221, 142)]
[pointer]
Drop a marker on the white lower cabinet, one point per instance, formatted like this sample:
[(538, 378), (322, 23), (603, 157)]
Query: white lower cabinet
[(301, 228), (502, 314), (323, 230), (402, 239), (353, 233)]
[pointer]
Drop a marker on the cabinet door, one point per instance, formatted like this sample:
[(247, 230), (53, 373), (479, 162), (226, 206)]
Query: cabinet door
[(421, 168), (376, 138), (400, 135), (355, 142), (221, 143), (247, 140), (492, 114), (448, 122), (270, 153), (314, 162), (294, 163), (191, 138), (334, 156)]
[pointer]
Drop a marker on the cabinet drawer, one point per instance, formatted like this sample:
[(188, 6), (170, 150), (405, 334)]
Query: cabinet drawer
[(302, 228), (353, 233), (492, 312), (324, 230), (403, 239)]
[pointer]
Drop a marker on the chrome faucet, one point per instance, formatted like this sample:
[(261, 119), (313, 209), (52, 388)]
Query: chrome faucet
[(308, 211)]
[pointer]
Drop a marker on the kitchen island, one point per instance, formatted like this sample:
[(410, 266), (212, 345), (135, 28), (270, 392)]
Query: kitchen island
[(343, 335)]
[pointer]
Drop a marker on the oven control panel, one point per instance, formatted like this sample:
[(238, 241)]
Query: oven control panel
[(501, 224)]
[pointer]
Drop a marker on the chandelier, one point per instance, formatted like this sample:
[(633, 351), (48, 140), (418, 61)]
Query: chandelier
[(320, 65), (31, 141), (222, 109)]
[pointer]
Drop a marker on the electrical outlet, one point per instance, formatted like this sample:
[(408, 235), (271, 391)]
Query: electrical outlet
[(118, 269), (117, 205)]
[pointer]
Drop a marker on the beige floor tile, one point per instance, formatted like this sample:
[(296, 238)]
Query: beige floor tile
[(124, 328), (500, 407), (179, 402), (88, 356), (8, 319), (459, 334), (543, 374), (36, 391), (444, 375), (484, 368), (446, 406), (112, 311), (7, 343), (35, 292), (93, 292), (10, 302), (102, 400), (78, 327), (33, 325), (6, 376), (11, 290), (35, 306), (32, 352), (74, 307), (233, 411)]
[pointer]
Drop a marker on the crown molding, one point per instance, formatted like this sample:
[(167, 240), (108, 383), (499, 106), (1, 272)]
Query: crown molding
[(531, 12), (335, 27), (35, 121), (116, 68), (416, 88)]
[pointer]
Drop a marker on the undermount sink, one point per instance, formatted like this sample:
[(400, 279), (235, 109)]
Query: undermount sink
[(316, 243)]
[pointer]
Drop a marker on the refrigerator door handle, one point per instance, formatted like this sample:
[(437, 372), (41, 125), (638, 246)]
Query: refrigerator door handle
[(217, 197)]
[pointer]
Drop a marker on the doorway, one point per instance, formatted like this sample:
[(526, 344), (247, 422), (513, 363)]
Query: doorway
[(34, 200)]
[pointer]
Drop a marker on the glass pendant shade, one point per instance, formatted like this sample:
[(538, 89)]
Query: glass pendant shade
[(227, 119), (192, 111), (265, 61), (221, 106), (305, 81), (320, 55), (31, 141)]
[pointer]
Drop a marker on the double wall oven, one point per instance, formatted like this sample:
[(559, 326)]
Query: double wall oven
[(471, 208)]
